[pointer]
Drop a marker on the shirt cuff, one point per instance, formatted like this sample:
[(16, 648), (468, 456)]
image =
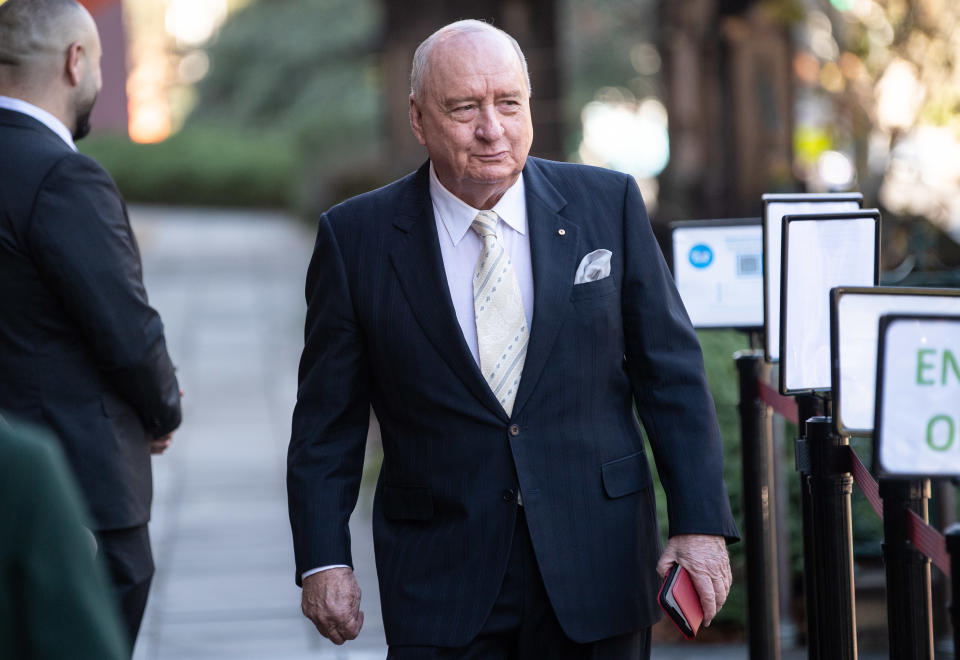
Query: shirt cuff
[(307, 574)]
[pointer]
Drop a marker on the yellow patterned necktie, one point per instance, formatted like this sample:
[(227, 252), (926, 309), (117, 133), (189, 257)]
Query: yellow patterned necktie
[(502, 332)]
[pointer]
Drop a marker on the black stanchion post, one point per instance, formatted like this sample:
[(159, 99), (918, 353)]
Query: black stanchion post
[(953, 547), (909, 605), (808, 406), (759, 510), (831, 485), (943, 511)]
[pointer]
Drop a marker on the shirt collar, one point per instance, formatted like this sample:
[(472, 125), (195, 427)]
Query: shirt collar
[(41, 115), (456, 215)]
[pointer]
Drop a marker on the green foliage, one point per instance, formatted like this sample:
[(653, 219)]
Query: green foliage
[(786, 12), (718, 349), (867, 527), (599, 38), (298, 67), (293, 89), (204, 166)]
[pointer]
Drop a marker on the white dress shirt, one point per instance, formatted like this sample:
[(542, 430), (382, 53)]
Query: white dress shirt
[(41, 115), (460, 248)]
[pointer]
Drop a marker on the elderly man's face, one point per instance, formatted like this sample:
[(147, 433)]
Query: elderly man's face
[(474, 116)]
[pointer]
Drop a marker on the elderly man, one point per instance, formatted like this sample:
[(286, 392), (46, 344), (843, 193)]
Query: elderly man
[(502, 314), (81, 351)]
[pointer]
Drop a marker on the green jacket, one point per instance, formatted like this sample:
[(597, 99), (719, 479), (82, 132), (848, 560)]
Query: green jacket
[(54, 599)]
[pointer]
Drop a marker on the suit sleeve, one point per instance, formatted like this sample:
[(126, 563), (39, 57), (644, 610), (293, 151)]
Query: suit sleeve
[(330, 420), (83, 245), (665, 366)]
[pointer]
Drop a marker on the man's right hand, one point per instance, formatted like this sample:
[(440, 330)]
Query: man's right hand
[(331, 599), (160, 445)]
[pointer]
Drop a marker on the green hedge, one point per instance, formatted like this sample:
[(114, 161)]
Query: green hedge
[(203, 166), (718, 349)]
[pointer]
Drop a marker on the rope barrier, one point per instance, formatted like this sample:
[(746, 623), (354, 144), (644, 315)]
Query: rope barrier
[(928, 541), (866, 482), (782, 405), (924, 538)]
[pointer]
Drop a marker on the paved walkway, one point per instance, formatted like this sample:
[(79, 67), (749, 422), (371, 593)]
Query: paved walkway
[(230, 289), (229, 286)]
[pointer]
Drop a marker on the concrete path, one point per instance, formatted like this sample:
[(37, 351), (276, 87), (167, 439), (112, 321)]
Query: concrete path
[(229, 286), (230, 289)]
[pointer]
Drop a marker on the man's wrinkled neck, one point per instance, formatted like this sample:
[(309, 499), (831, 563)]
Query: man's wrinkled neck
[(480, 196)]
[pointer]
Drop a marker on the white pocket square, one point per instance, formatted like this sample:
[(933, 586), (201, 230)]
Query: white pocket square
[(595, 266)]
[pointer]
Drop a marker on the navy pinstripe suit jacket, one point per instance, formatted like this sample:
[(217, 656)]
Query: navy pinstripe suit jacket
[(381, 329)]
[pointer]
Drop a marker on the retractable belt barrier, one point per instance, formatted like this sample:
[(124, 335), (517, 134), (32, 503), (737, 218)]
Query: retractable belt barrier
[(784, 406), (925, 538)]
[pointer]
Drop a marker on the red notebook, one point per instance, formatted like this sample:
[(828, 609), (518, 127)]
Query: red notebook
[(679, 600)]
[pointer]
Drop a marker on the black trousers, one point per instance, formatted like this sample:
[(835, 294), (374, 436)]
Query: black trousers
[(523, 626), (126, 554)]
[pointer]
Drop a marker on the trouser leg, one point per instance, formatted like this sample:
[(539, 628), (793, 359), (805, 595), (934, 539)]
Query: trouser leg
[(129, 561), (523, 626)]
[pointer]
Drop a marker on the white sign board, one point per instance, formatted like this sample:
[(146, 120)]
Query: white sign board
[(775, 206), (820, 253), (718, 269), (918, 412), (854, 319)]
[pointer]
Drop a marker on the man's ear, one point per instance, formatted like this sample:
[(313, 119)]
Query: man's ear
[(416, 121), (75, 63)]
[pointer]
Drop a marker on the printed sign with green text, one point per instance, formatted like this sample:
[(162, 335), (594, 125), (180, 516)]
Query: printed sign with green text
[(917, 426)]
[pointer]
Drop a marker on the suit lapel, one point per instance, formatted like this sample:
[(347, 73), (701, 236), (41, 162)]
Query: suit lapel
[(418, 263), (553, 251)]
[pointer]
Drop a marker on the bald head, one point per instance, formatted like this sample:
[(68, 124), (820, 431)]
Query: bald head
[(35, 36), (50, 57), (452, 32)]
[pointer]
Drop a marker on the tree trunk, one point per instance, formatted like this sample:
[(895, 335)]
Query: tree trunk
[(728, 81)]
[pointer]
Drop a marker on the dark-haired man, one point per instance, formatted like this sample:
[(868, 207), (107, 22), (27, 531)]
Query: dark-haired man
[(81, 351)]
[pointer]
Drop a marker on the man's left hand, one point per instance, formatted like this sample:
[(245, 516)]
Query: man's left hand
[(706, 560)]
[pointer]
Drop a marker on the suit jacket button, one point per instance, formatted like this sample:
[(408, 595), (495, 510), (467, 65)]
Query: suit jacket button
[(514, 430), (507, 495)]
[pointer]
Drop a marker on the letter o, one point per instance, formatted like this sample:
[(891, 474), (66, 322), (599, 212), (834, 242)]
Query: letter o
[(951, 433)]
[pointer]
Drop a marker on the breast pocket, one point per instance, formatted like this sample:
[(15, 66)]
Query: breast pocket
[(594, 290)]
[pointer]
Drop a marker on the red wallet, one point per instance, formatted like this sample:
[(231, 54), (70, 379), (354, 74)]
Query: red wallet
[(679, 600)]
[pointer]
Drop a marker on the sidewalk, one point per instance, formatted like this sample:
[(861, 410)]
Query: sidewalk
[(229, 286)]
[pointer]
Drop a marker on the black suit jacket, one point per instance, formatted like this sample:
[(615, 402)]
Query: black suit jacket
[(381, 328), (81, 351)]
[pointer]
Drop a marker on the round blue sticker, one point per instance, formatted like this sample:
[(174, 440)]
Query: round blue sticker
[(701, 256)]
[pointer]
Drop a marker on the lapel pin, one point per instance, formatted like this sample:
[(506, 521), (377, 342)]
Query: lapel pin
[(562, 232)]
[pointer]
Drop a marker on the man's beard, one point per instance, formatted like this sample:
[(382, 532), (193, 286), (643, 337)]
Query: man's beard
[(82, 124)]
